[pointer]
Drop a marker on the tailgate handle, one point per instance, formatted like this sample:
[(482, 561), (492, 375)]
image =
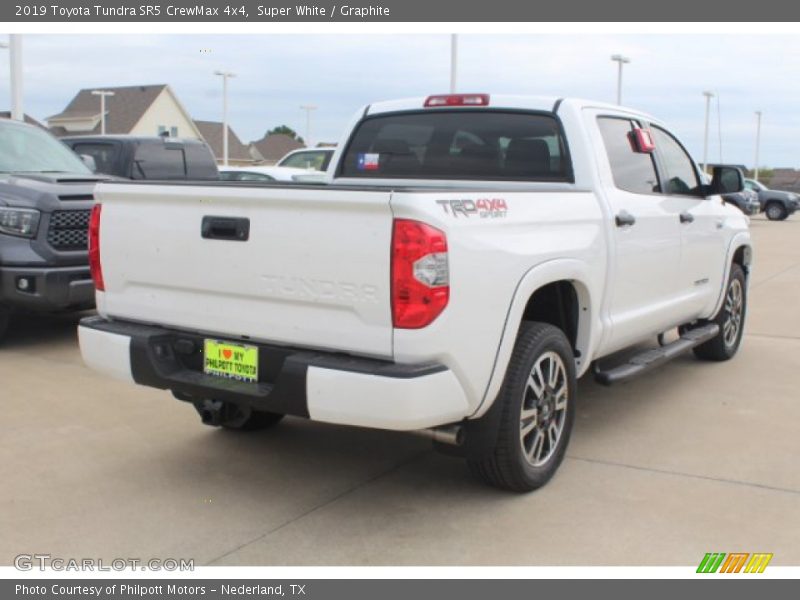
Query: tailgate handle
[(233, 229)]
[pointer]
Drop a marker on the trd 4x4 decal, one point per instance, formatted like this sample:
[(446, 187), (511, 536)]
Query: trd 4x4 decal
[(485, 208)]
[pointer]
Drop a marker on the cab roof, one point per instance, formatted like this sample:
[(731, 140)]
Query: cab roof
[(503, 101)]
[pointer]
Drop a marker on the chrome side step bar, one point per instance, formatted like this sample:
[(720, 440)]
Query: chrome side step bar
[(650, 359)]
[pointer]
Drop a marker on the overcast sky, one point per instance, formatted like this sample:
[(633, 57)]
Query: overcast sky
[(339, 73)]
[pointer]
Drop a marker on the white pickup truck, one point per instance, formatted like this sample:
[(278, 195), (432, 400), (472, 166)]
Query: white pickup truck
[(470, 257)]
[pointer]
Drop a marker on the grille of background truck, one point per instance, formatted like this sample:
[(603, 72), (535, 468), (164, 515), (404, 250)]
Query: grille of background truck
[(69, 229)]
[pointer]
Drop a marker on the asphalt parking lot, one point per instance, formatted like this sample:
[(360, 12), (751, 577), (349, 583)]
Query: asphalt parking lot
[(694, 458)]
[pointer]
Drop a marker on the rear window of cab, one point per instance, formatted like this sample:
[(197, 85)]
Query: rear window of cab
[(459, 144)]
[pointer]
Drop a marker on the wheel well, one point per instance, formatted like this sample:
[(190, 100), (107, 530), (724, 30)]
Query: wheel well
[(557, 304), (742, 257)]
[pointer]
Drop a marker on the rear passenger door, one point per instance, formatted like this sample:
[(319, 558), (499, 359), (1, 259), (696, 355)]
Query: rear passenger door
[(701, 245), (644, 283)]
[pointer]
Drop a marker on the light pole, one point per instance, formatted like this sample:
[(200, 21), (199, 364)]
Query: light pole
[(308, 108), (15, 66), (453, 62), (102, 94), (758, 143), (708, 96), (225, 76), (620, 60)]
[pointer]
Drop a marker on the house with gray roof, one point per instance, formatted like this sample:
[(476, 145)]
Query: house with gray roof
[(212, 132), (137, 110), (271, 148)]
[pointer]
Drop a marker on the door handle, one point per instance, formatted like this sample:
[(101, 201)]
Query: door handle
[(687, 217), (624, 218), (233, 229)]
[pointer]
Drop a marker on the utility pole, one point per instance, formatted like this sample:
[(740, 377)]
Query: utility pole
[(620, 60), (453, 62), (225, 76), (15, 56), (102, 94), (758, 143), (308, 108), (708, 96)]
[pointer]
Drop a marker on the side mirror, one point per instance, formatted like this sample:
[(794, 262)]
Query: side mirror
[(726, 180), (89, 162)]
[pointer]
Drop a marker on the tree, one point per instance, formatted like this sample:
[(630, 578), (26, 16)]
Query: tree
[(286, 130)]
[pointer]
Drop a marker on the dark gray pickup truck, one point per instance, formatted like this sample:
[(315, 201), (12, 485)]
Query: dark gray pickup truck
[(45, 202)]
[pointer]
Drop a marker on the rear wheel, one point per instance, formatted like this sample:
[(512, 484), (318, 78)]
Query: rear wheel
[(538, 404), (730, 319), (228, 415), (776, 211)]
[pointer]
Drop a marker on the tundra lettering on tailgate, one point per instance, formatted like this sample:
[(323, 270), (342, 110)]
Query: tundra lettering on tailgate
[(485, 208), (319, 289)]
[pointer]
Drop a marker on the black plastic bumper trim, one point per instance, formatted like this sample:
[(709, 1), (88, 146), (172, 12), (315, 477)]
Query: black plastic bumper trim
[(170, 359)]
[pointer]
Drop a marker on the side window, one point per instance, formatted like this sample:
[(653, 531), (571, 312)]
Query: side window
[(104, 155), (681, 176), (247, 176), (633, 171), (158, 161)]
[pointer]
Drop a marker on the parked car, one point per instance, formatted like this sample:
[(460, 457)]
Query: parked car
[(471, 257), (316, 159), (746, 201), (258, 173), (136, 157), (776, 204), (46, 194)]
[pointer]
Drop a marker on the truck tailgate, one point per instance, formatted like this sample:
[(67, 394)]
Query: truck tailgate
[(313, 272)]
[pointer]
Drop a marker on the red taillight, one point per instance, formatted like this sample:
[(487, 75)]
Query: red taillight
[(94, 248), (457, 100), (420, 274)]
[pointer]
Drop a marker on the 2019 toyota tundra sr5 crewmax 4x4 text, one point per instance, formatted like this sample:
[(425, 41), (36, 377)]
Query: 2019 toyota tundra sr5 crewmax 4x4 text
[(470, 257)]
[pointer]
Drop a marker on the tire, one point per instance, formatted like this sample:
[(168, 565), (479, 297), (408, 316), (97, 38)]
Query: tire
[(235, 418), (776, 211), (540, 377), (730, 319)]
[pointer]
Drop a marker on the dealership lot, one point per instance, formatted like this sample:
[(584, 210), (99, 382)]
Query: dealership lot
[(696, 457)]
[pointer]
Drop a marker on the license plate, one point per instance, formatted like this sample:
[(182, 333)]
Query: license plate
[(232, 361)]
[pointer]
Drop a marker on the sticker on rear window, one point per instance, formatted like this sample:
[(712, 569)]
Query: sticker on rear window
[(368, 161)]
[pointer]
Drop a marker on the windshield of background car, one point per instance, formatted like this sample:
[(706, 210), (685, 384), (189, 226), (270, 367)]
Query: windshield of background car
[(459, 144), (308, 160), (28, 149)]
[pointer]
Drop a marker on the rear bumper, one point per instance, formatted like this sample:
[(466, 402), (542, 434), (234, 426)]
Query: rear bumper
[(322, 386), (46, 289)]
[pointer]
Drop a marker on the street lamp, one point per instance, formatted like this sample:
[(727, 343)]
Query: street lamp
[(308, 108), (15, 66), (758, 142), (225, 76), (620, 60), (709, 96), (453, 62), (102, 94)]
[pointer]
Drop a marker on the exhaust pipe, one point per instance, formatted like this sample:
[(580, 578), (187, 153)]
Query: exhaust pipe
[(452, 435)]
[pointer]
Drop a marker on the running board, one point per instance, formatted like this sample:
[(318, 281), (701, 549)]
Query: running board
[(650, 359)]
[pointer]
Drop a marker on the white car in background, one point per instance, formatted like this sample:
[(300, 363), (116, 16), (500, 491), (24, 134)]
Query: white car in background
[(316, 159), (257, 173)]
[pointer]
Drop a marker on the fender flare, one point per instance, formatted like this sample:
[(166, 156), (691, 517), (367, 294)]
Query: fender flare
[(572, 270), (740, 240)]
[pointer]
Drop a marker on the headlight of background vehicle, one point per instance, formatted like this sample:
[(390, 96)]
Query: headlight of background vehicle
[(22, 222)]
